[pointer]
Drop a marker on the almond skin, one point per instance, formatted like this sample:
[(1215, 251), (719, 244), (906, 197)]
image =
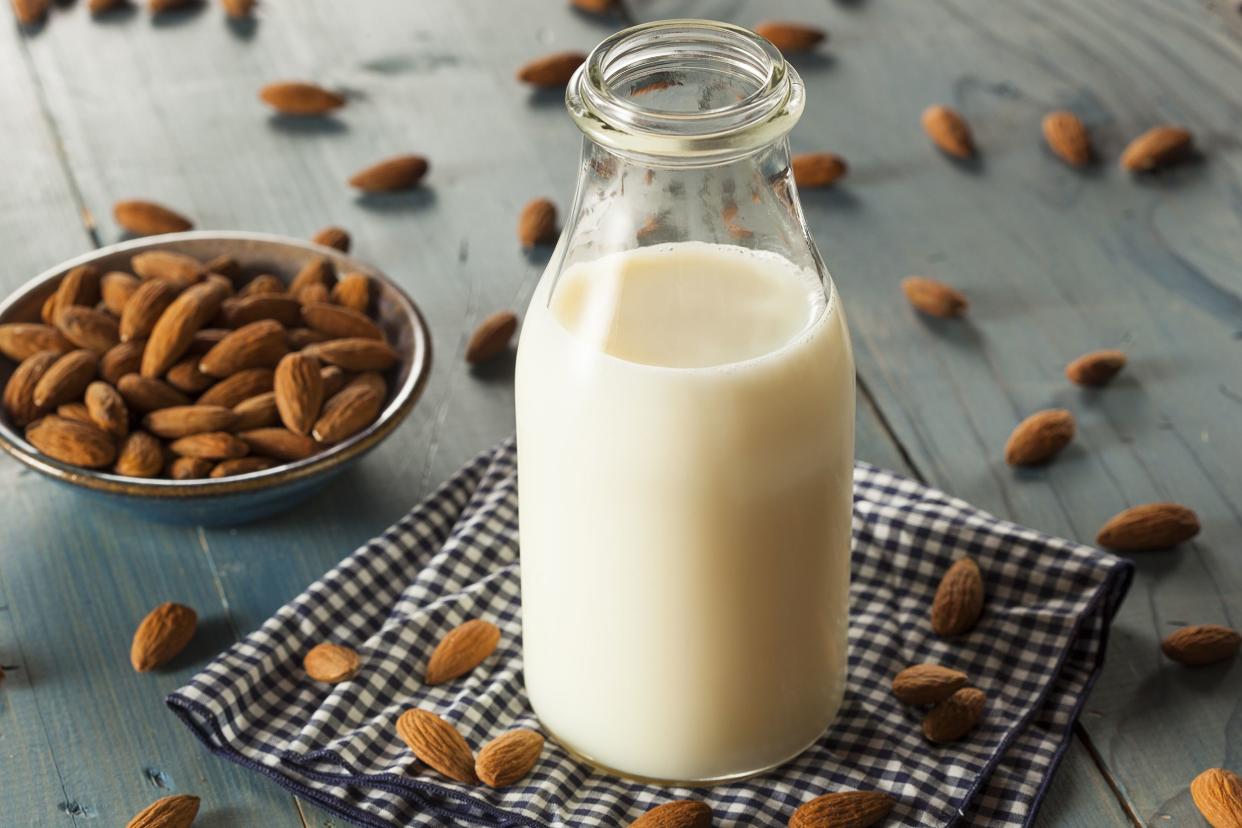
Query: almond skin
[(184, 420), (335, 237), (1217, 793), (300, 98), (594, 6), (239, 9), (259, 344), (140, 455), (508, 758), (955, 717), (174, 330), (437, 743), (353, 292), (298, 389), (681, 813), (145, 307), (1040, 437), (339, 322), (30, 12), (280, 443), (491, 338), (185, 376), (401, 172), (1096, 368), (927, 684), (224, 265), (205, 339), (959, 599), (121, 359), (147, 394), (243, 385), (791, 37), (334, 380), (1201, 644), (1067, 137), (1157, 147), (75, 411), (948, 131), (87, 328), (80, 286), (19, 340), (161, 635), (1149, 526), (278, 306), (263, 283), (241, 465), (178, 268), (299, 338), (107, 409), (330, 663), (210, 445), (817, 169), (843, 809), (190, 468), (19, 401), (933, 297), (115, 289), (66, 379), (70, 441), (355, 354), (147, 218), (461, 650), (258, 411), (551, 71), (537, 223), (347, 412), (176, 811)]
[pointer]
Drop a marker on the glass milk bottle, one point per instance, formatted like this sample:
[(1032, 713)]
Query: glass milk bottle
[(685, 422)]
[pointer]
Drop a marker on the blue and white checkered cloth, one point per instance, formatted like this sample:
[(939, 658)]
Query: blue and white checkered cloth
[(1035, 653)]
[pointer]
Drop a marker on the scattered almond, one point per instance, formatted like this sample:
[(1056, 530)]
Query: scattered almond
[(398, 173), (954, 717), (959, 599), (107, 409), (1149, 526), (681, 813), (1217, 793), (178, 268), (243, 385), (66, 379), (843, 809), (300, 98), (149, 394), (331, 663), (164, 632), (280, 443), (91, 329), (30, 12), (927, 683), (791, 37), (461, 650), (1096, 368), (817, 169), (145, 307), (437, 743), (594, 6), (1039, 437), (1156, 148), (239, 9), (19, 401), (259, 344), (334, 237), (537, 223), (933, 297), (19, 340), (948, 131), (355, 354), (1201, 644), (508, 758), (176, 811), (146, 218), (242, 465), (140, 455), (491, 338), (552, 70), (1067, 137), (210, 445), (174, 330), (184, 420)]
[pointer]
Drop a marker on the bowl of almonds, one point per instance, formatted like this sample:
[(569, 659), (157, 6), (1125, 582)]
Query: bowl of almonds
[(206, 377)]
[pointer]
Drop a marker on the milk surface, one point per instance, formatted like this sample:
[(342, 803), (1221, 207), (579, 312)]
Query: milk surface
[(685, 456)]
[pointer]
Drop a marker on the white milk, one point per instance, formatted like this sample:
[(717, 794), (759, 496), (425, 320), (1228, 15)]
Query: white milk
[(685, 421)]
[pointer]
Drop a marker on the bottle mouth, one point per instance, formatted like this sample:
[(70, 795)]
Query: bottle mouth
[(685, 92)]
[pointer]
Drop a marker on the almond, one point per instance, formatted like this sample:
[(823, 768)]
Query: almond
[(178, 268), (246, 309), (87, 328), (817, 169), (207, 338), (1217, 793), (1096, 368), (1201, 644), (30, 12), (240, 386), (299, 338), (263, 283), (594, 6), (334, 380), (190, 468), (174, 330), (1155, 148), (681, 813), (1067, 137), (116, 288), (927, 684), (161, 635), (185, 376), (537, 223), (148, 394), (75, 411), (954, 717), (959, 599), (242, 465), (551, 70), (300, 98), (19, 401), (141, 455), (317, 271), (346, 413), (933, 297), (314, 294), (791, 37), (843, 809), (461, 650), (280, 443), (176, 811), (335, 237), (1149, 526), (146, 218), (80, 286), (1039, 437), (121, 359), (19, 340), (355, 354), (258, 411), (491, 338), (339, 322), (331, 663), (145, 307), (224, 265), (353, 292), (239, 9), (298, 389), (66, 379), (259, 344), (70, 441), (107, 409), (183, 420), (948, 131), (437, 743), (210, 445), (508, 758), (398, 173), (47, 311)]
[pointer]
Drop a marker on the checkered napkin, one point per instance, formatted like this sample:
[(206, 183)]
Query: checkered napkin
[(1035, 653)]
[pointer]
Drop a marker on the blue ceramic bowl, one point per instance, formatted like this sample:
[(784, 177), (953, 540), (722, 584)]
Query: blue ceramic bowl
[(243, 497)]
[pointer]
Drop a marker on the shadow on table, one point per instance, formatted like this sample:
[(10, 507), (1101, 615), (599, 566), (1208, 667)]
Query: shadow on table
[(307, 124), (405, 201)]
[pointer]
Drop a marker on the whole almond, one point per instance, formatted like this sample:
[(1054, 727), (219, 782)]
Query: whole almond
[(317, 271), (176, 811), (299, 338), (280, 443), (461, 650), (333, 380), (437, 743), (263, 283), (146, 218), (959, 599), (107, 409), (72, 442), (239, 9), (258, 411), (335, 237), (298, 388), (1201, 644), (190, 468), (1039, 437), (66, 379), (537, 223), (339, 322), (1217, 793), (331, 663), (1096, 368), (116, 288), (817, 169), (242, 465), (183, 420), (148, 394), (75, 411), (278, 306), (185, 376), (1067, 137), (243, 385), (161, 635), (948, 131), (174, 330), (552, 70), (398, 173), (19, 340), (1149, 526), (1155, 148), (121, 359), (30, 12), (355, 354), (933, 297), (145, 307), (314, 294), (791, 37), (88, 328), (927, 684), (19, 401), (954, 717), (259, 344), (594, 6), (170, 266), (843, 809), (508, 758), (47, 311), (680, 813), (80, 286), (300, 98), (491, 338), (140, 455), (347, 412), (353, 292), (210, 445), (224, 265)]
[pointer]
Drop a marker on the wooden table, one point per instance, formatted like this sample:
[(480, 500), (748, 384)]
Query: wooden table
[(1055, 262)]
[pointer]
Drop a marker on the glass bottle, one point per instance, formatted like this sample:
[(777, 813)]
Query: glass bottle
[(685, 422)]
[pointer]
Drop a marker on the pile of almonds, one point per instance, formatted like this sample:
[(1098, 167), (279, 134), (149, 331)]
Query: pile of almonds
[(190, 369)]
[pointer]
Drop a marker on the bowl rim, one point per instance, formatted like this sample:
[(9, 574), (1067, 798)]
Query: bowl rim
[(14, 442)]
